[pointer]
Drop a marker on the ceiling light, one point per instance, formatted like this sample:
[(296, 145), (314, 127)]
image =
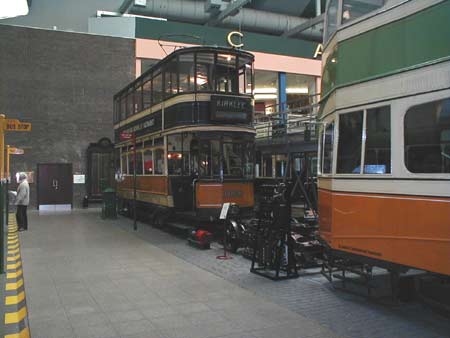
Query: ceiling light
[(266, 96), (13, 8), (297, 90), (269, 90)]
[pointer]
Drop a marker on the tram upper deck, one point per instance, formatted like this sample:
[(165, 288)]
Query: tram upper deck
[(191, 86)]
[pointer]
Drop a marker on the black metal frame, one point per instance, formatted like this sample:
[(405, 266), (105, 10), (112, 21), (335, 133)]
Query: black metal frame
[(103, 146)]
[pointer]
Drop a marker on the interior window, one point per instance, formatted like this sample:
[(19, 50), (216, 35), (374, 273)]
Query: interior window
[(427, 137), (377, 158), (350, 142)]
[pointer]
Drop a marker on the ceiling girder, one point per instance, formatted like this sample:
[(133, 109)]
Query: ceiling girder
[(304, 26), (232, 9), (124, 6)]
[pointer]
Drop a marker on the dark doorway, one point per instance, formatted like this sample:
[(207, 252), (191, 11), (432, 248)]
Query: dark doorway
[(54, 186), (100, 164)]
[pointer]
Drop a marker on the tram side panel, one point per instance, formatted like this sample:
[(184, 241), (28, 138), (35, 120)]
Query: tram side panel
[(411, 231)]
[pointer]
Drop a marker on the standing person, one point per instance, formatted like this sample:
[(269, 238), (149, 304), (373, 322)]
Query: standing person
[(22, 201)]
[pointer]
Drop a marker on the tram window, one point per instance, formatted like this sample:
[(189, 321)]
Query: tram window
[(328, 149), (116, 109), (377, 159), (139, 164), (175, 162), (130, 103), (174, 154), (205, 158), (352, 9), (138, 99), (186, 73), (148, 162), (123, 107), (242, 81), (170, 78), (249, 160), (159, 161), (226, 73), (205, 68), (232, 157), (130, 164), (158, 141), (157, 89), (349, 143), (215, 158), (249, 78), (124, 164), (147, 93), (427, 137)]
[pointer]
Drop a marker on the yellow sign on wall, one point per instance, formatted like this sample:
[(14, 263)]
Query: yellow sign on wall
[(16, 125), (15, 151)]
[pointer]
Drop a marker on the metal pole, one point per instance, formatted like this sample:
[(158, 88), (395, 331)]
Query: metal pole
[(7, 162), (134, 183), (2, 145), (2, 232)]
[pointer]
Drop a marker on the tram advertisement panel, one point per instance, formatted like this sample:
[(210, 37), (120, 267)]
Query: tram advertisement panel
[(231, 109)]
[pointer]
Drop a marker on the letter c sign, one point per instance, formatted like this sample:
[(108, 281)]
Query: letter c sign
[(230, 39)]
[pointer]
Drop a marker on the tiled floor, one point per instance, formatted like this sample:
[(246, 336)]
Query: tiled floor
[(311, 295), (86, 277)]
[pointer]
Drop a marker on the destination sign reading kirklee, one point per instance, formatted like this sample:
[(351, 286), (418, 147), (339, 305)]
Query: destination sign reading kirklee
[(231, 109)]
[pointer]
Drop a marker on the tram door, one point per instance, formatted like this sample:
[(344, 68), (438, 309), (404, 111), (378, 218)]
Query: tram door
[(54, 186)]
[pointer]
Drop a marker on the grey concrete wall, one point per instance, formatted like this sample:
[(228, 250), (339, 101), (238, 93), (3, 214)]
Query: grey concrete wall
[(63, 83)]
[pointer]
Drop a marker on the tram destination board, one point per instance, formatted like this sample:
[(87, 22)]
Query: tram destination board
[(231, 109)]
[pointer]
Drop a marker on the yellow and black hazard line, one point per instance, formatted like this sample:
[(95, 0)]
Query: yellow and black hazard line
[(16, 314)]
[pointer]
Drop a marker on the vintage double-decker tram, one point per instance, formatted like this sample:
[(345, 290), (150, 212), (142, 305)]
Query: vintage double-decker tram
[(384, 178), (191, 114)]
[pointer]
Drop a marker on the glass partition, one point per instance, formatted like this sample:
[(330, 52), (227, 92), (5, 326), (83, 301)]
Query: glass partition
[(353, 9), (331, 19)]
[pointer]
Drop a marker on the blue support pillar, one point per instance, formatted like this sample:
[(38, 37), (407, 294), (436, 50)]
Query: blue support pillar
[(282, 97)]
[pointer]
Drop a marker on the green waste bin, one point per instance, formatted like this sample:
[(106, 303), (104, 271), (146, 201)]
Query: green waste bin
[(109, 209)]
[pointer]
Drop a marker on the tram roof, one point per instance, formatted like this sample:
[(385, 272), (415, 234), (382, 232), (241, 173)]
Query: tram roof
[(185, 50)]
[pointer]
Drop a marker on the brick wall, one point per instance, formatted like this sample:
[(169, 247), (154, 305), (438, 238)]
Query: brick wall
[(63, 83)]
